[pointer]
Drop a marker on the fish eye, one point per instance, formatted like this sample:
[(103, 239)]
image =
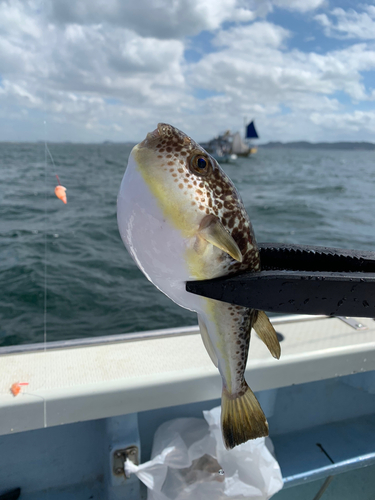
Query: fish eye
[(199, 164)]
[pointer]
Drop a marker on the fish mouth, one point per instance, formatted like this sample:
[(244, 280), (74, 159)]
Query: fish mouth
[(153, 136)]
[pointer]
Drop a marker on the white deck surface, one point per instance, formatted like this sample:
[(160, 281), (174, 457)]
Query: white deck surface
[(85, 383)]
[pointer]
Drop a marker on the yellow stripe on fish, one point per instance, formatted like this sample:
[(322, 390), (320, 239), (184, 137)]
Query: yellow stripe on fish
[(170, 204)]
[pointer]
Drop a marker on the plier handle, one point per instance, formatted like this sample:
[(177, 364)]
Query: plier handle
[(299, 279)]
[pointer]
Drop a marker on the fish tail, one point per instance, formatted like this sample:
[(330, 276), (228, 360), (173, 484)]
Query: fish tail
[(242, 418)]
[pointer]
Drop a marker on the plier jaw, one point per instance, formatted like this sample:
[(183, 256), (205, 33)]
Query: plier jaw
[(299, 279)]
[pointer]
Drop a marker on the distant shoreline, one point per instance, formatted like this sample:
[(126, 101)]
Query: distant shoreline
[(343, 145), (368, 146)]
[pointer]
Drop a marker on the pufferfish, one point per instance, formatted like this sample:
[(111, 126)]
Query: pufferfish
[(181, 218)]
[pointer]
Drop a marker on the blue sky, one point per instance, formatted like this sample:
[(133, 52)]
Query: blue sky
[(94, 71)]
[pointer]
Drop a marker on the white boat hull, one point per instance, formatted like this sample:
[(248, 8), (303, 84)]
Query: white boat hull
[(110, 393)]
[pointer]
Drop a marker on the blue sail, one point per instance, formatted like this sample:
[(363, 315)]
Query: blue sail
[(251, 133)]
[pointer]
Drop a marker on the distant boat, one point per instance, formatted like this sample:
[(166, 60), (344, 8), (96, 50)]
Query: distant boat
[(225, 148), (220, 148), (241, 148), (251, 133)]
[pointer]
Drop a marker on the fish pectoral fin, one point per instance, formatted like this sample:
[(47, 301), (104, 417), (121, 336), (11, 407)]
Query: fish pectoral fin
[(267, 334), (242, 418), (213, 231), (207, 341)]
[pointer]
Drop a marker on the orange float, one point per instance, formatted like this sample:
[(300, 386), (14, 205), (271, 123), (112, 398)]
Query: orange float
[(16, 387), (60, 192)]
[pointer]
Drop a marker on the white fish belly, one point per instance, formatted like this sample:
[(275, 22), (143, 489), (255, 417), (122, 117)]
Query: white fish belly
[(159, 250), (155, 245)]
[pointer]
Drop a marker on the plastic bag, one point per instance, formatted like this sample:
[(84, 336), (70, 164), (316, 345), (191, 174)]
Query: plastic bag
[(189, 461)]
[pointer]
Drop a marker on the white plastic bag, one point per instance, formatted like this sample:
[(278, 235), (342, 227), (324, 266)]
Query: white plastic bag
[(189, 461)]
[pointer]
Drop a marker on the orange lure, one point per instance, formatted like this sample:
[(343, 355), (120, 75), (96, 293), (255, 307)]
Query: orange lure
[(60, 191), (16, 387)]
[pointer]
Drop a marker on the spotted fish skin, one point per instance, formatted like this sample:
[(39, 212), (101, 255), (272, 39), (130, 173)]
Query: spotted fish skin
[(182, 219), (212, 193)]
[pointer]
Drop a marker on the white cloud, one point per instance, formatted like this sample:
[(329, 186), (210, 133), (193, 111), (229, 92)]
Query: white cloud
[(254, 63), (250, 37), (72, 71), (19, 18), (349, 23), (20, 93), (111, 69), (159, 19), (91, 59), (299, 5), (354, 122), (253, 66)]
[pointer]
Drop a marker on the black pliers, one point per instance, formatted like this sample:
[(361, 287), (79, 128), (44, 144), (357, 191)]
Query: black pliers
[(299, 279)]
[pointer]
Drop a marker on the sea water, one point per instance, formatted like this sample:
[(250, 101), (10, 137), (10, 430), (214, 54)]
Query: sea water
[(66, 264)]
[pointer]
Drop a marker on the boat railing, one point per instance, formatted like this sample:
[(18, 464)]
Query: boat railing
[(133, 336)]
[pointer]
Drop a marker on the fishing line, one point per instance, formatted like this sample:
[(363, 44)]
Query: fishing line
[(47, 458), (45, 262), (49, 154)]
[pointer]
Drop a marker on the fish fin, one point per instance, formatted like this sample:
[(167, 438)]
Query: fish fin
[(242, 418), (213, 231), (267, 334), (207, 341)]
